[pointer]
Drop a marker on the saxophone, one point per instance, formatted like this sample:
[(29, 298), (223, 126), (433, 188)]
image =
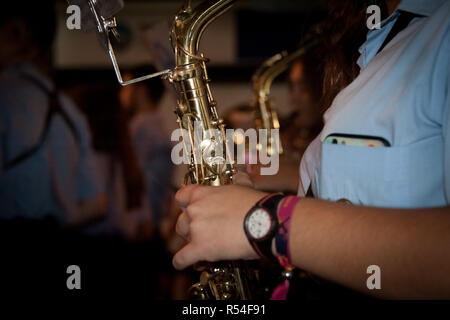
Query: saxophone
[(197, 116), (195, 100), (267, 117), (226, 280)]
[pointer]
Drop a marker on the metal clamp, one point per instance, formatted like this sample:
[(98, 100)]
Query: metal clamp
[(104, 27)]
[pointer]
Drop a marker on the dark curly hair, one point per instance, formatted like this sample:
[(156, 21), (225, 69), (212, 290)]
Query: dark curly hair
[(343, 32)]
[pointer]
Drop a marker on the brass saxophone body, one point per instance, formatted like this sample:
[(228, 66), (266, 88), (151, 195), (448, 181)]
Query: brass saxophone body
[(197, 108), (196, 104), (262, 80)]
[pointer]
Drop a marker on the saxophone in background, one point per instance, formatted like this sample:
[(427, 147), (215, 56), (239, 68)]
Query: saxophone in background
[(267, 117)]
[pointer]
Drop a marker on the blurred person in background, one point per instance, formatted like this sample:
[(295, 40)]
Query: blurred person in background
[(47, 176), (118, 170), (46, 160), (151, 139), (120, 243)]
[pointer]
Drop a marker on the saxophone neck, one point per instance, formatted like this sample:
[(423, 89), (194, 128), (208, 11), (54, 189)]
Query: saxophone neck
[(263, 77), (275, 66), (189, 24)]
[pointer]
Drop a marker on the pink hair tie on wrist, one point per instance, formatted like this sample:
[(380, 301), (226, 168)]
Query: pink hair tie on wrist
[(285, 211)]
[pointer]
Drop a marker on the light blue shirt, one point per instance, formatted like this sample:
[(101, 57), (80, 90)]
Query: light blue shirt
[(61, 173), (401, 95)]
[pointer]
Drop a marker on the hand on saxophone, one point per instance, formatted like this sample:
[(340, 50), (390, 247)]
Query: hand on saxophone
[(212, 223)]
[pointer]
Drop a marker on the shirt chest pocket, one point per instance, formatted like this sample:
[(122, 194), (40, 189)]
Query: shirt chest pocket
[(399, 177)]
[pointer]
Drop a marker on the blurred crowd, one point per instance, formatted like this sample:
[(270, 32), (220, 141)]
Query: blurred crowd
[(86, 183), (86, 176)]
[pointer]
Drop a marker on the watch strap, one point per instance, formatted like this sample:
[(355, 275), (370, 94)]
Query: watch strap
[(270, 203)]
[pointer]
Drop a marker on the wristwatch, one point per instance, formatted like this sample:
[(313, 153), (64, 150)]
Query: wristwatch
[(261, 224)]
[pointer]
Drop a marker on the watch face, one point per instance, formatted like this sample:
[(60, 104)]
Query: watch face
[(258, 223)]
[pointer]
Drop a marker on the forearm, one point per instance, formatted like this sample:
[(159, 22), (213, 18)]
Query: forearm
[(338, 242)]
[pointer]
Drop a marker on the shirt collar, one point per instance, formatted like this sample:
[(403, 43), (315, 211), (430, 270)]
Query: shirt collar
[(374, 39), (421, 7), (369, 47)]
